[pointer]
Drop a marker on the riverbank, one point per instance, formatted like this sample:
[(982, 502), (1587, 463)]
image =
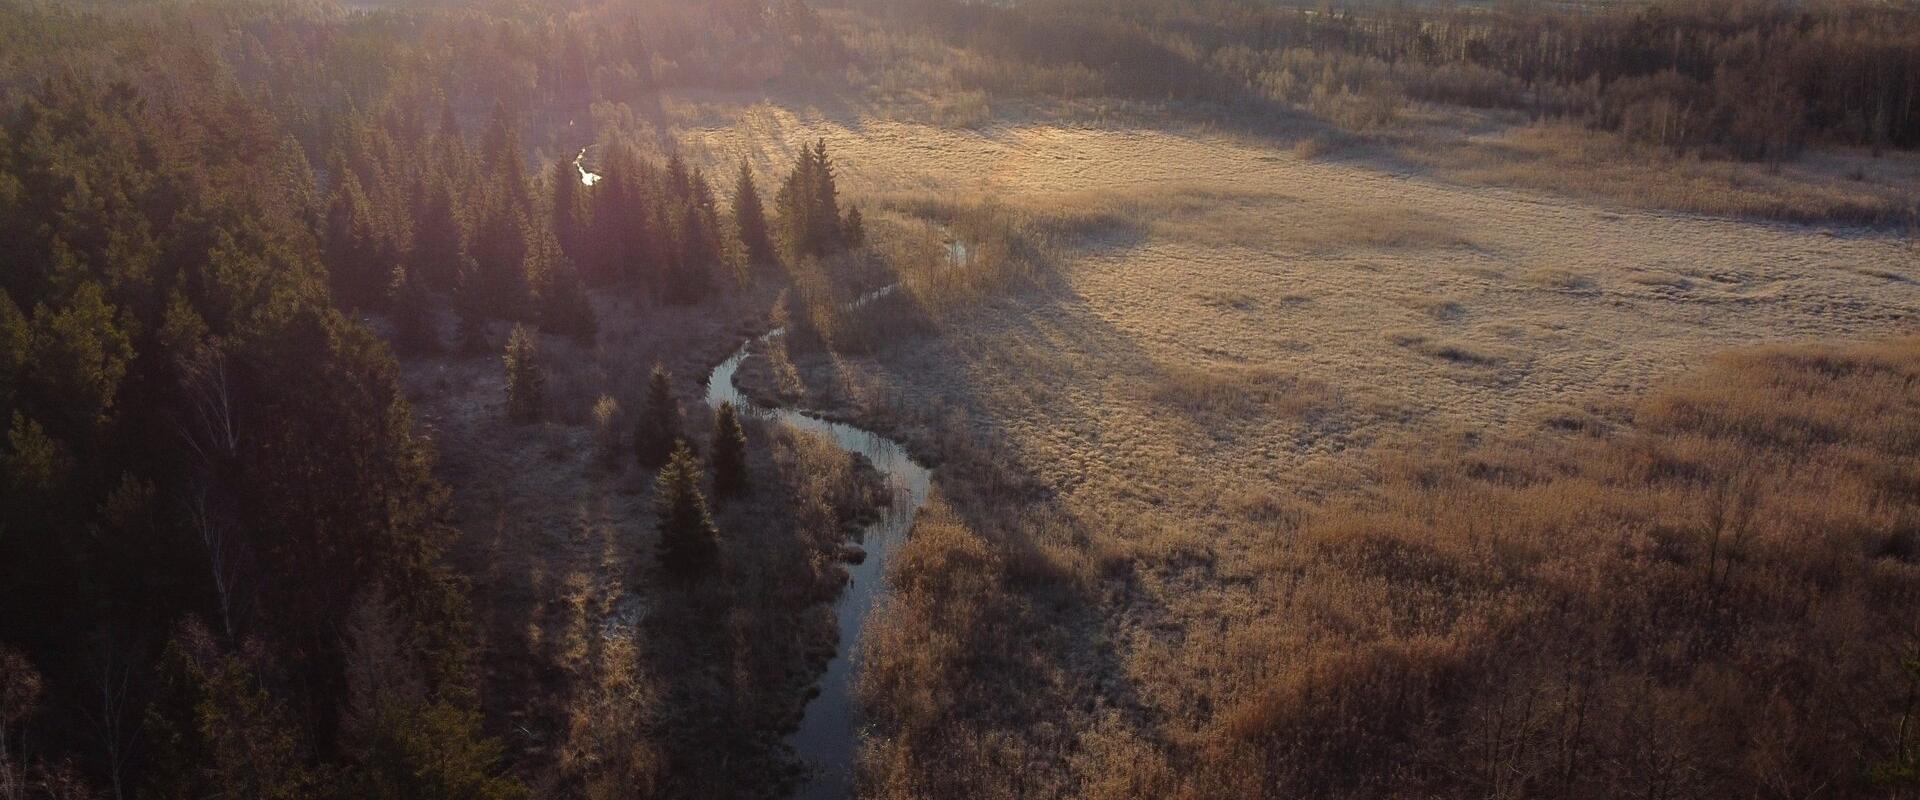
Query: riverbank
[(605, 677)]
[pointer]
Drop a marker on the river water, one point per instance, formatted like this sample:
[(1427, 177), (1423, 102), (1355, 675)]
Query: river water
[(828, 740), (829, 736)]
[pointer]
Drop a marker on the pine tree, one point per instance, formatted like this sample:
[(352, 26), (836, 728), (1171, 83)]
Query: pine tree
[(689, 542), (826, 203), (451, 157), (796, 210), (809, 205), (659, 427), (439, 238), (750, 219), (499, 253), (561, 297), (526, 382), (503, 161), (569, 210), (353, 245), (853, 231), (692, 278), (729, 447)]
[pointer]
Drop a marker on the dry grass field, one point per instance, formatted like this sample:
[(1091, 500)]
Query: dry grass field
[(1205, 283), (1222, 344)]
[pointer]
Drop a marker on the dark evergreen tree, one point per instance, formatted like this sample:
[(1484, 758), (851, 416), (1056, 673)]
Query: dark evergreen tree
[(526, 380), (692, 278), (659, 426), (853, 231), (826, 202), (750, 219), (355, 261), (810, 224), (499, 283), (729, 447), (569, 209), (559, 295), (439, 239), (503, 160), (414, 330), (689, 543)]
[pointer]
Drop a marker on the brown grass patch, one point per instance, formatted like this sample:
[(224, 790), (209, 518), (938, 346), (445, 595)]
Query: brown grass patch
[(1568, 158)]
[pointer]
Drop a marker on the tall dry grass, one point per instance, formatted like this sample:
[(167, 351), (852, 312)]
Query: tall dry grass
[(1705, 593)]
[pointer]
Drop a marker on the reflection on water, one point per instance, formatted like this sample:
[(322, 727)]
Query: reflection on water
[(829, 737)]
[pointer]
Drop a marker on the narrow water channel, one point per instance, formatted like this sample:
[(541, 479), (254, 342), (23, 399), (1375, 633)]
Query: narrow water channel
[(829, 736), (828, 740)]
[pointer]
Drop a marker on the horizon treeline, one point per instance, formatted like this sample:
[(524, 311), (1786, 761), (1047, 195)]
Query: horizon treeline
[(1748, 79)]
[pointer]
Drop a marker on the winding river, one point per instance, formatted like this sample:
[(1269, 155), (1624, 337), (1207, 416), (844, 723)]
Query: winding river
[(829, 737)]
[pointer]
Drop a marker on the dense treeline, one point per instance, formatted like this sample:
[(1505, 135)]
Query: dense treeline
[(221, 540), (1751, 79), (206, 461), (544, 61)]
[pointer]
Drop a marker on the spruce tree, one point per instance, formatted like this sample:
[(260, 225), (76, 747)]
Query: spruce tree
[(499, 252), (353, 245), (692, 278), (796, 208), (809, 205), (569, 211), (750, 218), (562, 296), (659, 427), (526, 382), (501, 153), (689, 542), (853, 231), (439, 239), (729, 447), (826, 203)]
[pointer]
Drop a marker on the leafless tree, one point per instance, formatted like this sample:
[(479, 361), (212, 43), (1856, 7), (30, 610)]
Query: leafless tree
[(19, 691), (116, 716), (211, 426), (214, 536)]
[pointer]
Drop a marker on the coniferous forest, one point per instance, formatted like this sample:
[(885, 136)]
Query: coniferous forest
[(221, 537)]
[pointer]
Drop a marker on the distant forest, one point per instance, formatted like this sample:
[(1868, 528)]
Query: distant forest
[(1751, 79)]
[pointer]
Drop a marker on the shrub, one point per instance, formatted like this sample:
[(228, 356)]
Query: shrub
[(606, 430)]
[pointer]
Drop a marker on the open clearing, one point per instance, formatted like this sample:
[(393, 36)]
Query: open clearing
[(1237, 335), (1238, 316)]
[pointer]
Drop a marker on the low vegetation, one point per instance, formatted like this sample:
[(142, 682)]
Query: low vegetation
[(1706, 593)]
